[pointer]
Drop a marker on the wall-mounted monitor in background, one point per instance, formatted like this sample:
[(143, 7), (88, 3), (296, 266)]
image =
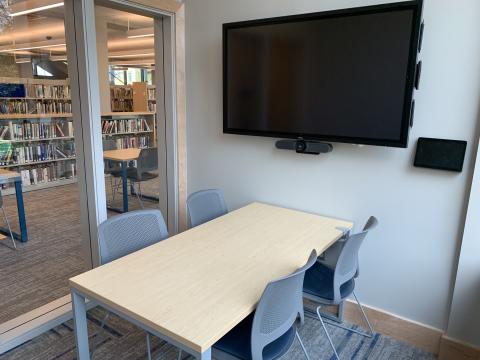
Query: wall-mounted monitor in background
[(340, 76)]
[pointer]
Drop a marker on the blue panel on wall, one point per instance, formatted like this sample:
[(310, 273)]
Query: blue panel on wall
[(12, 90)]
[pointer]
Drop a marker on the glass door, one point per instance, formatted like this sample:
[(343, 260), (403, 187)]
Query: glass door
[(130, 58), (39, 172)]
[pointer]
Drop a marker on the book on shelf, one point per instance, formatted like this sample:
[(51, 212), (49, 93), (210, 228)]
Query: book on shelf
[(47, 173), (122, 105), (151, 94), (49, 106), (30, 154), (124, 126), (28, 130), (121, 92), (152, 107), (139, 142), (48, 91)]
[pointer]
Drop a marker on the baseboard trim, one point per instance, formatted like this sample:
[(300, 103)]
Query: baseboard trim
[(452, 349), (401, 329)]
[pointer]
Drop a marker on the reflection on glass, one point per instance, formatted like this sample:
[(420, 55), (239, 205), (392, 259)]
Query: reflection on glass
[(129, 125)]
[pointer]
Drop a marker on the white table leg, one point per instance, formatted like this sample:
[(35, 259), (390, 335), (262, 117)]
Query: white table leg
[(206, 355), (80, 324)]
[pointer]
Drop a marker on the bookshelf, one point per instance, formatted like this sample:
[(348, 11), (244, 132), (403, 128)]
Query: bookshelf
[(36, 132), (121, 98), (138, 97), (130, 129)]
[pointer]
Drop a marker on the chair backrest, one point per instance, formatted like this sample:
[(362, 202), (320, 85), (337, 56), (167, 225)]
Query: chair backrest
[(147, 160), (279, 307), (371, 223), (126, 233), (347, 267), (205, 205), (109, 144)]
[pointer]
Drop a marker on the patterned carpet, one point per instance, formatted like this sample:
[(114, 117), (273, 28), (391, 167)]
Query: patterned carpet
[(38, 272), (121, 340)]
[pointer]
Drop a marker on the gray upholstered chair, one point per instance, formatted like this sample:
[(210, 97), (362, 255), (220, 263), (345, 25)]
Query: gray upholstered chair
[(145, 170), (270, 331), (124, 234), (205, 205), (332, 279), (2, 206), (111, 166)]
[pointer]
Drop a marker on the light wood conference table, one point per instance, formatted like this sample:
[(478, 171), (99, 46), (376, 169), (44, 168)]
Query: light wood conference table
[(123, 156), (194, 287)]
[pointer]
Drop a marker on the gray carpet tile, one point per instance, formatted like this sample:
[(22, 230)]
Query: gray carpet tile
[(38, 272), (121, 340)]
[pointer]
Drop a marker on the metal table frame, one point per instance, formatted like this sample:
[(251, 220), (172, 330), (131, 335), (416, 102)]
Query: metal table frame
[(79, 305)]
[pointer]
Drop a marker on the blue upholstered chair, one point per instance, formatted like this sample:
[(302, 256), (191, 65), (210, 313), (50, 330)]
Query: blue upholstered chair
[(332, 279), (124, 234), (268, 333), (205, 205)]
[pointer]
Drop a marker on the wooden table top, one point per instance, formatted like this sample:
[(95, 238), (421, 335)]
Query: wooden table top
[(197, 285), (122, 154), (8, 175)]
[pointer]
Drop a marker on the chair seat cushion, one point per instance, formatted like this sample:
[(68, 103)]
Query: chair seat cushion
[(238, 342), (319, 282), (133, 175)]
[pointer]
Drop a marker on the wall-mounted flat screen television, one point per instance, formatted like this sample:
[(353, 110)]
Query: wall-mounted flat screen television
[(341, 76)]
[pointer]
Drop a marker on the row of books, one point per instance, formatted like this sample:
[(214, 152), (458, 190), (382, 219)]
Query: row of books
[(48, 91), (122, 105), (35, 130), (124, 125), (45, 174), (119, 92), (21, 155), (152, 106), (151, 94), (53, 106), (16, 106), (139, 142)]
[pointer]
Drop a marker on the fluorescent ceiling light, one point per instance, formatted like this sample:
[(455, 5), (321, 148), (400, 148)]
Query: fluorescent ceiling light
[(32, 48), (140, 33), (139, 36), (37, 9), (130, 55), (22, 61)]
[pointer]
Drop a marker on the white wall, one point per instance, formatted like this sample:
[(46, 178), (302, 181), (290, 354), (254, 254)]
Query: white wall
[(408, 263), (465, 315)]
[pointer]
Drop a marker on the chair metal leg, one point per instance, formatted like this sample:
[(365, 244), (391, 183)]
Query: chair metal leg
[(102, 327), (326, 333), (149, 350), (116, 186), (364, 315), (9, 228), (138, 198), (301, 344)]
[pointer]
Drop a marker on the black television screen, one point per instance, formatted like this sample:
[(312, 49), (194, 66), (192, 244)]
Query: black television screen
[(344, 76)]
